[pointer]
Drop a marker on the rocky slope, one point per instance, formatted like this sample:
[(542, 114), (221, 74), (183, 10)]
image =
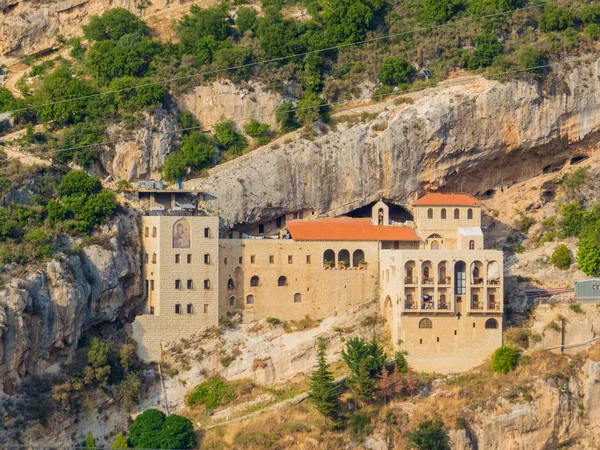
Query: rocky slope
[(467, 134), (44, 312)]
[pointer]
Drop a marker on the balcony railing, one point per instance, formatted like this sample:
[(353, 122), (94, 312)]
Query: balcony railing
[(408, 280), (445, 280), (477, 280), (494, 305), (493, 282), (475, 304), (410, 305), (428, 280), (443, 304)]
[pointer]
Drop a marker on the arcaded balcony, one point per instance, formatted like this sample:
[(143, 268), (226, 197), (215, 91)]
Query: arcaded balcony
[(493, 273), (443, 274), (410, 273), (477, 273), (409, 303), (427, 273), (493, 303), (476, 302)]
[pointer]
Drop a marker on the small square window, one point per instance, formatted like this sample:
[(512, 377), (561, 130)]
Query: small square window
[(231, 301), (271, 259), (177, 308), (151, 285), (290, 259), (145, 258), (206, 284), (473, 324), (189, 258), (190, 284), (189, 308), (207, 232), (241, 260), (153, 258), (225, 261), (252, 259), (308, 259), (205, 309), (206, 258), (177, 259), (420, 341), (177, 284)]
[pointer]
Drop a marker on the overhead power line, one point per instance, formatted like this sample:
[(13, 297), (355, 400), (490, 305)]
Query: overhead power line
[(283, 58), (323, 105)]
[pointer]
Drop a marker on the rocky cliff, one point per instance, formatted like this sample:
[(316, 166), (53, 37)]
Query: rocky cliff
[(467, 134), (43, 313)]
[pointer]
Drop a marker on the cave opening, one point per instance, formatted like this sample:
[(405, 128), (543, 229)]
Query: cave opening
[(397, 213)]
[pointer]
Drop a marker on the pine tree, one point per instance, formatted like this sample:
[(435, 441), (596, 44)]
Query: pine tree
[(323, 391), (397, 380), (385, 385), (90, 442), (120, 442), (412, 382)]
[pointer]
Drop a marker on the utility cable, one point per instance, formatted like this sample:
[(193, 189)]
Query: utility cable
[(283, 58)]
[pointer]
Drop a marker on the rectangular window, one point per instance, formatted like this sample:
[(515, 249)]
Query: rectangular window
[(190, 284), (151, 285), (207, 232), (205, 309), (261, 229), (153, 258), (206, 284), (145, 258), (308, 259), (177, 284), (177, 308), (252, 259), (278, 222), (225, 261), (152, 310), (206, 258), (295, 215), (189, 258), (241, 260), (271, 259), (189, 308), (177, 259), (290, 259), (301, 215)]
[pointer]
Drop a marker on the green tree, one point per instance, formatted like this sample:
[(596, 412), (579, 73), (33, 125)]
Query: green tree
[(395, 70), (561, 257), (487, 47), (311, 108), (324, 393), (590, 14), (555, 18), (533, 59), (113, 24), (429, 435), (107, 61), (90, 442), (196, 152), (134, 93), (98, 368), (78, 183), (120, 442), (229, 139), (245, 19), (439, 11), (505, 359), (365, 359), (76, 143), (588, 256), (238, 57), (401, 362), (202, 32), (7, 100), (348, 20), (286, 117), (260, 131), (175, 166), (146, 430), (177, 433)]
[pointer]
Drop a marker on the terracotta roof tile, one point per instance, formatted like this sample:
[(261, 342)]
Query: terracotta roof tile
[(347, 229), (439, 199)]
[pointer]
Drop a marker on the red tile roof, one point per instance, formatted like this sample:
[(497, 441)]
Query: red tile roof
[(438, 199), (347, 229)]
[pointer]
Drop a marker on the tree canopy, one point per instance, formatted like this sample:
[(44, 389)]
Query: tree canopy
[(113, 24)]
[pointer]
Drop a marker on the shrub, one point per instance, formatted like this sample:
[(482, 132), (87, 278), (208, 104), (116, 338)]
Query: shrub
[(273, 320), (555, 19), (348, 20), (286, 117), (203, 31), (260, 131), (533, 59), (7, 100), (525, 223), (429, 435), (561, 257), (395, 70), (505, 359), (554, 326), (211, 393), (177, 432), (245, 18), (576, 308), (197, 152), (76, 183), (106, 61), (360, 425), (229, 139), (311, 108), (440, 11), (113, 24), (487, 47), (588, 256)]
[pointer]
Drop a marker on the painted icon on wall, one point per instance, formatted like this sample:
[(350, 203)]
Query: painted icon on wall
[(181, 234)]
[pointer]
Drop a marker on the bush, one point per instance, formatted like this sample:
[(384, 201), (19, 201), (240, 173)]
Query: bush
[(429, 435), (576, 308), (439, 11), (348, 20), (113, 25), (107, 61), (203, 32), (311, 108), (360, 426), (83, 134), (229, 139), (7, 100), (588, 256), (197, 152), (395, 70), (561, 257), (237, 56), (505, 359), (555, 19), (78, 183), (260, 131), (177, 433), (525, 223), (211, 394), (286, 117), (532, 59), (487, 47), (245, 19)]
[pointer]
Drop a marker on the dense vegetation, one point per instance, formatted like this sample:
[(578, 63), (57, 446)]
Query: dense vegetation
[(153, 429), (115, 70)]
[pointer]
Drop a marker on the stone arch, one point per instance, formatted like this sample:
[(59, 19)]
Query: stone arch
[(442, 271), (344, 256), (491, 324), (181, 234), (282, 281), (328, 257), (425, 323), (230, 284), (232, 301), (357, 257), (254, 280), (426, 271)]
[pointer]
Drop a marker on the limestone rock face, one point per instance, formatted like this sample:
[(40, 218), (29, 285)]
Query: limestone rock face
[(141, 156), (466, 135), (43, 314)]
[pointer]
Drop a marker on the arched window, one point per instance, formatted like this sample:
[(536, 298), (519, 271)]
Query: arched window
[(425, 323), (476, 272), (153, 231), (254, 281), (456, 213), (469, 213), (435, 245), (344, 256), (443, 213), (232, 301), (491, 324), (146, 232), (471, 245), (250, 300), (380, 216), (442, 273), (328, 257), (460, 278), (357, 257), (230, 284), (297, 297), (426, 272), (430, 213), (282, 281)]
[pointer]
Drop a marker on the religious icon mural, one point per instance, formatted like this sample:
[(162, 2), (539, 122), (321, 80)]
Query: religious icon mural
[(181, 234)]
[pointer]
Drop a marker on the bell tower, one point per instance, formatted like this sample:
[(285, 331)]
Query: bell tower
[(380, 214)]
